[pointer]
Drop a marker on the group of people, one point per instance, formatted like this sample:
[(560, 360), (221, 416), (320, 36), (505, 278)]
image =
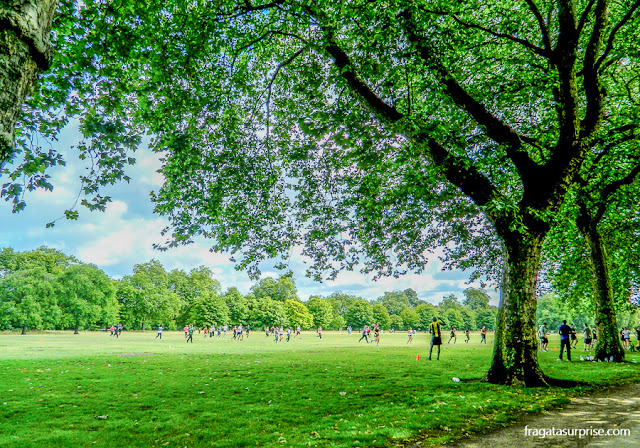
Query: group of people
[(115, 330), (569, 338), (239, 333), (278, 333)]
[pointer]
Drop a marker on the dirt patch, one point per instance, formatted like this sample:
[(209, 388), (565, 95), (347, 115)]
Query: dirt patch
[(135, 354)]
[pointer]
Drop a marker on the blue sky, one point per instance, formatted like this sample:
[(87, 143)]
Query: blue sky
[(123, 236)]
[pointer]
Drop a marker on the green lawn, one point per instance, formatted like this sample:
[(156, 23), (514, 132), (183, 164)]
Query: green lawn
[(63, 390)]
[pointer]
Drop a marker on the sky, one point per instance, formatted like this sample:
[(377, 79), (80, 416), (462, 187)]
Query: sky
[(124, 234)]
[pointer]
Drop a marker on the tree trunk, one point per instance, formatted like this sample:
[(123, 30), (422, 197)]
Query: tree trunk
[(25, 28), (497, 372), (516, 348), (75, 329), (24, 329), (608, 343)]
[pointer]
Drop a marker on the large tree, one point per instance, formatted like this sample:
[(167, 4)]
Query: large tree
[(347, 127)]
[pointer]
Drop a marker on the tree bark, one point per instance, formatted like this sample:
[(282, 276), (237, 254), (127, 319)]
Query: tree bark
[(608, 343), (497, 372), (25, 49), (515, 359), (24, 329)]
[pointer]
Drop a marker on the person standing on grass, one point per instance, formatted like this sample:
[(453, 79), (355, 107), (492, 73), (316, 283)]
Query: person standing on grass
[(410, 336), (627, 337), (565, 339), (111, 328), (376, 334), (247, 331), (289, 331), (453, 335), (594, 335), (436, 337), (542, 334), (320, 332), (159, 335), (364, 335), (240, 333), (298, 329), (483, 335), (587, 337), (190, 330), (467, 335)]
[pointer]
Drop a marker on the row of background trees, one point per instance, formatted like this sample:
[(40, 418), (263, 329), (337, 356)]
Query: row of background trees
[(46, 289)]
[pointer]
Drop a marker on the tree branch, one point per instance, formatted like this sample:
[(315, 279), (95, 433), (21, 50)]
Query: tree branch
[(543, 27), (612, 188), (539, 51), (495, 129), (614, 31), (593, 91), (585, 16)]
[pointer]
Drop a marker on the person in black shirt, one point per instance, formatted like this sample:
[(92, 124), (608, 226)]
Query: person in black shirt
[(565, 340)]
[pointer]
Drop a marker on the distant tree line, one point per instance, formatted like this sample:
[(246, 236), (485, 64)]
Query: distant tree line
[(47, 289)]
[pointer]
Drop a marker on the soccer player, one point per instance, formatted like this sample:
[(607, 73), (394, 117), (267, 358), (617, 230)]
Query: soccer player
[(436, 337)]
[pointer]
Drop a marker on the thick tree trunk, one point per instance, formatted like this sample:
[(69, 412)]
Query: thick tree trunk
[(608, 343), (25, 28), (24, 329), (515, 359), (75, 329)]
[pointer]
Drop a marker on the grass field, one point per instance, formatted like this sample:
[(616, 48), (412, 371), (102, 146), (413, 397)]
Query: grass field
[(63, 390)]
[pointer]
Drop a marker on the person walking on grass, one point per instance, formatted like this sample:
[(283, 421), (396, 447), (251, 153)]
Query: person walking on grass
[(159, 335), (320, 332), (298, 329), (467, 335), (436, 337), (587, 337), (453, 335), (483, 335), (289, 334), (376, 335), (190, 330), (565, 339), (364, 335)]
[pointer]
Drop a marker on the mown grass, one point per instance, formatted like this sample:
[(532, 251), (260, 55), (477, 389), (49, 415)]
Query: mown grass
[(63, 390)]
